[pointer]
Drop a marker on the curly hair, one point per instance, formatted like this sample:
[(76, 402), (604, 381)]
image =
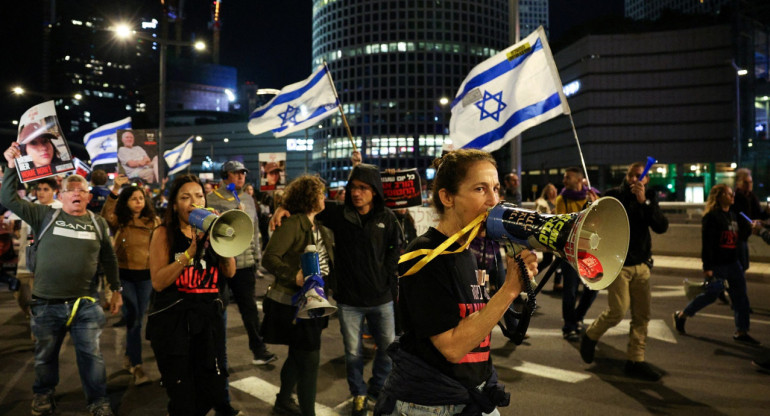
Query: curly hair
[(451, 170), (124, 214), (301, 195)]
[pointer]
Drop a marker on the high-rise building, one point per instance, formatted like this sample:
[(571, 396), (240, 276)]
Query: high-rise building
[(650, 9), (397, 65), (86, 59), (533, 14)]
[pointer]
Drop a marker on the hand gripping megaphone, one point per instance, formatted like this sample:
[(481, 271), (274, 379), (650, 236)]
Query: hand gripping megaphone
[(593, 241), (230, 233), (311, 301)]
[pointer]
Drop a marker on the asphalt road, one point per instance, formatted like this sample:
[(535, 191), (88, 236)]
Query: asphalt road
[(706, 372)]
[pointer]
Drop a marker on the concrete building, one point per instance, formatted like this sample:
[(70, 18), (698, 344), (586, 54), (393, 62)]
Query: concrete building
[(666, 94)]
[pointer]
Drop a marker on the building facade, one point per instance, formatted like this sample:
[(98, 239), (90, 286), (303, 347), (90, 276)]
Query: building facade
[(397, 65), (669, 94)]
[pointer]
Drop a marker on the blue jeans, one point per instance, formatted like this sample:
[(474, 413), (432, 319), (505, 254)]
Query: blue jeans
[(136, 296), (571, 314), (49, 325), (736, 281), (383, 328)]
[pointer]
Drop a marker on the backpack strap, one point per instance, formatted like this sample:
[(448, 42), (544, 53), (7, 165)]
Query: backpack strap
[(96, 224), (49, 218)]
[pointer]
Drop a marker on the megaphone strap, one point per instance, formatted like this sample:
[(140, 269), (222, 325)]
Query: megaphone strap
[(429, 254)]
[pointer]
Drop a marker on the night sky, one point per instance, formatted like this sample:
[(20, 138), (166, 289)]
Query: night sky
[(269, 42)]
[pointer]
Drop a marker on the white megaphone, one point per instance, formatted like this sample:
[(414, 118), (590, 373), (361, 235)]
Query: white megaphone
[(593, 241), (230, 233), (311, 301)]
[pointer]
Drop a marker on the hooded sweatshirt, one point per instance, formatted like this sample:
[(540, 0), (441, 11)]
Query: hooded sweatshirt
[(366, 247)]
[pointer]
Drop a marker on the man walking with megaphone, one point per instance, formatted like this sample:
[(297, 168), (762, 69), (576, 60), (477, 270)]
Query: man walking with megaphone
[(631, 289), (224, 198)]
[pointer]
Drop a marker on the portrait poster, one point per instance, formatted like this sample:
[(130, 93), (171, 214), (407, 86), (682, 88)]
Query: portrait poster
[(138, 155), (272, 169), (402, 189), (44, 151)]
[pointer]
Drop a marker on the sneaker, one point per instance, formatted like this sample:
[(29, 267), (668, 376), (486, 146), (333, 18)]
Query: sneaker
[(264, 357), (581, 326), (359, 406), (679, 322), (100, 409), (762, 366), (641, 370), (286, 407), (587, 349), (745, 338), (43, 404), (140, 377), (571, 336)]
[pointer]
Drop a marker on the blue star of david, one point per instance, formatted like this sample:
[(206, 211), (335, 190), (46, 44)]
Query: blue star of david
[(491, 97), (108, 144), (289, 116)]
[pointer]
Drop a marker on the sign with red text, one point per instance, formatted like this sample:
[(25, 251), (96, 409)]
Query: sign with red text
[(44, 151), (402, 189)]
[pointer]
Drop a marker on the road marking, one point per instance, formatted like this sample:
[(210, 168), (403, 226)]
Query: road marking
[(15, 379), (656, 329), (266, 392), (551, 372), (661, 291), (731, 317)]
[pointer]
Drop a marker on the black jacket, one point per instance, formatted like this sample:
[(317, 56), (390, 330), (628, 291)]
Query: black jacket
[(641, 218), (366, 247)]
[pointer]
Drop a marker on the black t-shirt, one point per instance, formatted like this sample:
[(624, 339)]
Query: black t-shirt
[(435, 300), (199, 283)]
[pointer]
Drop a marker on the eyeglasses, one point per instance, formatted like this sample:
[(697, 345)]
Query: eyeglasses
[(79, 191), (361, 188)]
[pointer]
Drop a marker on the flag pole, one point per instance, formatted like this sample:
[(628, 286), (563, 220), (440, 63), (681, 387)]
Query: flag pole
[(339, 104), (580, 151)]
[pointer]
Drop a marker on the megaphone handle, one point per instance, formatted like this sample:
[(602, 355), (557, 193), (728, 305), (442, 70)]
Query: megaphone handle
[(529, 308)]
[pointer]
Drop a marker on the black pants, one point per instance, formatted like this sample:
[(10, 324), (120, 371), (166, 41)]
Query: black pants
[(242, 285)]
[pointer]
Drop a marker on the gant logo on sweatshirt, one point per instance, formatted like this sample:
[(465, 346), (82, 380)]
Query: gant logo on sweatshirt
[(380, 225)]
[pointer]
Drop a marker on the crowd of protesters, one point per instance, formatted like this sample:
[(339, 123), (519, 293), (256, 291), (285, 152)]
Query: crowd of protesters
[(150, 262)]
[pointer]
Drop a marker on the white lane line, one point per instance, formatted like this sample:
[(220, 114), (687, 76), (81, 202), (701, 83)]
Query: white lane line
[(15, 379), (266, 392), (656, 328), (731, 317), (551, 372)]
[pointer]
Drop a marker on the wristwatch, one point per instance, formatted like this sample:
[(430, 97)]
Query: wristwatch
[(647, 202)]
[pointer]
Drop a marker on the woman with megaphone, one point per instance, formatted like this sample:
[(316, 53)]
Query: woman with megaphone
[(185, 324), (282, 257), (442, 363)]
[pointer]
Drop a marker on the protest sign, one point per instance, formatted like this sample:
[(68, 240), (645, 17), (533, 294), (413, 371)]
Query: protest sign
[(44, 151), (138, 154), (402, 189), (272, 171)]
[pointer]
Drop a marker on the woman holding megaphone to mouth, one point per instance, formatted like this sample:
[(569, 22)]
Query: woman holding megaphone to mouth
[(185, 324), (442, 363)]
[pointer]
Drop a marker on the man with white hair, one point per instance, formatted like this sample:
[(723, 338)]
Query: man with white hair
[(71, 242)]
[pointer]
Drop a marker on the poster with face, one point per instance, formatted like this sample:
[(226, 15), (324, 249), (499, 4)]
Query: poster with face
[(272, 167), (138, 154), (44, 152)]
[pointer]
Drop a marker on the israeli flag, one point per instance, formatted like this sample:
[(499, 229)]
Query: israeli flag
[(505, 95), (178, 158), (102, 143), (297, 107)]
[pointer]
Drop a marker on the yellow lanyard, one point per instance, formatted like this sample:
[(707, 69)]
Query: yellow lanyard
[(232, 198), (429, 254), (75, 307)]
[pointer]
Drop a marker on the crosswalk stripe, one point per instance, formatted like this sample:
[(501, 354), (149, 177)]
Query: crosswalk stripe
[(266, 392), (551, 372)]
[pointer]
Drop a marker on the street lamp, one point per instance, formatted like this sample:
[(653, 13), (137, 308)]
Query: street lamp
[(124, 31)]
